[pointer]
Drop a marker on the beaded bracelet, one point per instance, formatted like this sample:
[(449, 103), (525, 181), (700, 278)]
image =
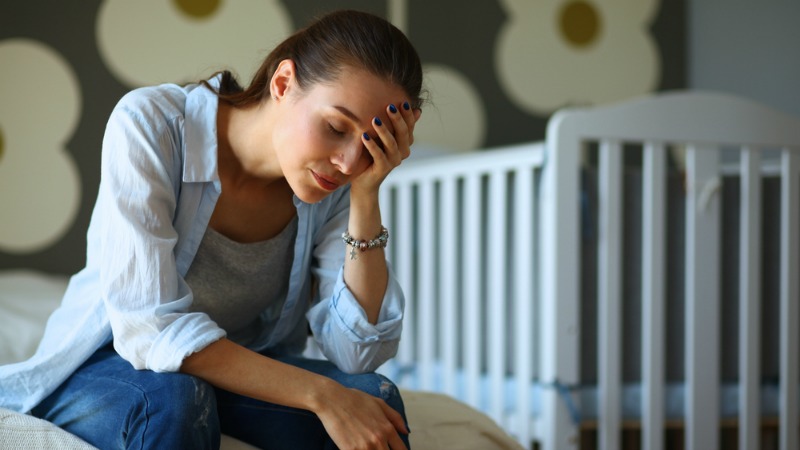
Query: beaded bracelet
[(357, 244)]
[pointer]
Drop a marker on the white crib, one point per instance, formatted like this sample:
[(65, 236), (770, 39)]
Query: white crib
[(488, 248)]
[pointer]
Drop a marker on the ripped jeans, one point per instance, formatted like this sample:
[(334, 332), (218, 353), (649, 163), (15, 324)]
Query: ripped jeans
[(110, 405)]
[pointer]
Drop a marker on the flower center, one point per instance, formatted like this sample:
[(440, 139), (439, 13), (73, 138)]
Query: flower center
[(197, 9), (580, 23)]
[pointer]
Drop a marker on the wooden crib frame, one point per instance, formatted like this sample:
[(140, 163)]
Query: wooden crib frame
[(487, 247)]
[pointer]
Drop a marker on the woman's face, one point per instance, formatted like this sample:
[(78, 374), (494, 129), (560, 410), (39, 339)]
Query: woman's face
[(318, 133)]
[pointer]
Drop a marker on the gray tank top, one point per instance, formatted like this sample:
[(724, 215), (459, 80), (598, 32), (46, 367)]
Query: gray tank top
[(242, 287)]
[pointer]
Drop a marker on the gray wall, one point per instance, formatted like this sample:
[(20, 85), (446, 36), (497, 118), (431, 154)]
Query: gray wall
[(99, 56), (747, 48)]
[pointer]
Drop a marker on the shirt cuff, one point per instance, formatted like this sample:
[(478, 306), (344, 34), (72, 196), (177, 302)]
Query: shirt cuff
[(352, 319), (188, 334)]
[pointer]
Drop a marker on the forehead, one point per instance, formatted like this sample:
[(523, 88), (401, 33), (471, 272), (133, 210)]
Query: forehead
[(359, 91)]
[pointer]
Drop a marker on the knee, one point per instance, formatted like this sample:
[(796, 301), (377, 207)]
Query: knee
[(390, 393), (379, 386), (181, 409), (182, 399)]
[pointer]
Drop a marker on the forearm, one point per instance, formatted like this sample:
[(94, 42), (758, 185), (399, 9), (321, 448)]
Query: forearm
[(236, 369), (367, 275)]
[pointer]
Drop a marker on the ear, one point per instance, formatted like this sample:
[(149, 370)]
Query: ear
[(283, 80)]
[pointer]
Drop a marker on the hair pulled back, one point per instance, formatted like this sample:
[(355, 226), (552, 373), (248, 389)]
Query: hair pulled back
[(324, 48)]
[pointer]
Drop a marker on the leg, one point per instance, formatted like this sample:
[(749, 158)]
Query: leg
[(109, 404), (277, 427)]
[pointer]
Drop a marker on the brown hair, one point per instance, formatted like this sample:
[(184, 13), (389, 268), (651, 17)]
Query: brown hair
[(322, 49)]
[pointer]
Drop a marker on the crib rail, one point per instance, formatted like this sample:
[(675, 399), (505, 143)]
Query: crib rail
[(492, 253), (705, 126), (464, 253)]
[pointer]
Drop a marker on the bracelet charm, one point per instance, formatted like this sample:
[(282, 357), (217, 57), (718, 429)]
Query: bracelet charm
[(363, 245)]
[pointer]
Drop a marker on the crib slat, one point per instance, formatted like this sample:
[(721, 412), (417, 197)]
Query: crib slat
[(497, 290), (405, 269), (559, 305), (426, 295), (448, 287), (610, 294), (523, 294), (790, 298), (702, 298), (653, 308), (749, 299), (473, 255)]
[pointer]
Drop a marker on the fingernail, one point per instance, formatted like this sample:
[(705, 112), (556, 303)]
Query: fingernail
[(406, 106), (392, 109), (366, 137), (378, 121)]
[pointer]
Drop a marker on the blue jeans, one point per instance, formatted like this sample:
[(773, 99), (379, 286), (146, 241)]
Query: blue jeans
[(110, 405)]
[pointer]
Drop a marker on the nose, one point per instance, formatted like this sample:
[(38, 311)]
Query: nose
[(346, 157)]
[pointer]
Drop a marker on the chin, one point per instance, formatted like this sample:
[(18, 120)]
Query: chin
[(312, 195)]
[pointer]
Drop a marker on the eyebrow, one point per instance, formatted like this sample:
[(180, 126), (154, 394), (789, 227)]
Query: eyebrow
[(348, 113)]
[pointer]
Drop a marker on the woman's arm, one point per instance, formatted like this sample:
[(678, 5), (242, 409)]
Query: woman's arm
[(132, 238), (352, 418), (366, 273)]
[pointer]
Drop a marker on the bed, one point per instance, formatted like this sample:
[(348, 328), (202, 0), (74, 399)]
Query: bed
[(637, 270), (27, 298)]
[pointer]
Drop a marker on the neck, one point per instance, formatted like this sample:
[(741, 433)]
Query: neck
[(244, 149)]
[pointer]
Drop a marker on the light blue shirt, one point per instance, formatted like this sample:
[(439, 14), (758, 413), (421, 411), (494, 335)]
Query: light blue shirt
[(159, 185)]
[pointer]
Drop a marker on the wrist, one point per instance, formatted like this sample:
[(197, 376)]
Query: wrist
[(320, 393), (367, 199), (365, 244), (365, 215)]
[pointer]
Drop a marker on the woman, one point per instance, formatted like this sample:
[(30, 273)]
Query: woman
[(230, 222)]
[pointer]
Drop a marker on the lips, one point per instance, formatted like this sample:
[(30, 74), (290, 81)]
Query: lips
[(329, 184)]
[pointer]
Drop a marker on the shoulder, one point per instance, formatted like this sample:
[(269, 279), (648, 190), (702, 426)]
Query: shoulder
[(154, 103)]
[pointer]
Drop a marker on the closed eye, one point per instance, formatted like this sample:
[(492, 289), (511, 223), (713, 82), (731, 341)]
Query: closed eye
[(334, 130)]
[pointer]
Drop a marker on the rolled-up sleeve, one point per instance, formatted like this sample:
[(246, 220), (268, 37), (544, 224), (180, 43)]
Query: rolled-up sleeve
[(339, 323), (146, 299), (345, 335)]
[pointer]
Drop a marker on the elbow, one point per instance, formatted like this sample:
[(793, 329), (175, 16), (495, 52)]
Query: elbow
[(364, 358)]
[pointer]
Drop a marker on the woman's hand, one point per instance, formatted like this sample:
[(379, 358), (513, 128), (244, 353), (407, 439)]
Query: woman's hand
[(392, 146), (357, 420)]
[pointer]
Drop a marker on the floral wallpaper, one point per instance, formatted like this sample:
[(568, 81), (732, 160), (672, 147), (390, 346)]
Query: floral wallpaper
[(495, 70)]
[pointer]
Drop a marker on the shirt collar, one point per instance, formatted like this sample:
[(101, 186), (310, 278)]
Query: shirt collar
[(200, 133)]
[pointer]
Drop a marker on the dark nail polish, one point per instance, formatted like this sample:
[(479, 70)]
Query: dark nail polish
[(406, 106), (366, 137), (378, 121), (392, 109)]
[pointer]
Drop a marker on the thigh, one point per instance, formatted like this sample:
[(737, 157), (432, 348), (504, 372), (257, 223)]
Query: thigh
[(111, 405), (277, 427)]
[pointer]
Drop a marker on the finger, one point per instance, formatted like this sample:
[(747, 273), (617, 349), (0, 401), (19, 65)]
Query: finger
[(403, 121), (402, 133), (411, 116), (395, 418), (390, 146), (375, 151), (395, 443)]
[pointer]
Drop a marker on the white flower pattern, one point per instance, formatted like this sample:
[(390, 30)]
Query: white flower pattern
[(147, 42), (456, 120), (40, 188), (554, 53)]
